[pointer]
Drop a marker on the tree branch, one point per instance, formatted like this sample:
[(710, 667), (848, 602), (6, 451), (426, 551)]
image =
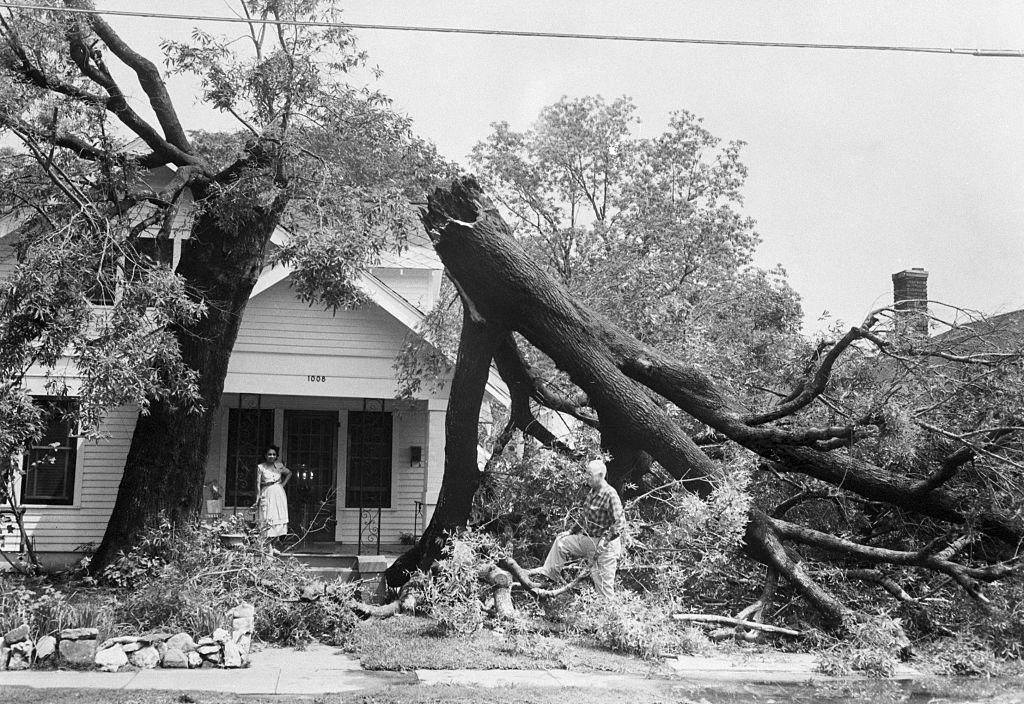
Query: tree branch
[(518, 373), (806, 495), (90, 64), (151, 82), (946, 471), (964, 576), (815, 386), (730, 621)]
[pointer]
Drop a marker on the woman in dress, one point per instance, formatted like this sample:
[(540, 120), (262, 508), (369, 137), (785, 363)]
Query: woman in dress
[(272, 511)]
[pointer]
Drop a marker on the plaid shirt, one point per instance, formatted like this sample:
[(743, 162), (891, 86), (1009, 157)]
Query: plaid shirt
[(602, 514)]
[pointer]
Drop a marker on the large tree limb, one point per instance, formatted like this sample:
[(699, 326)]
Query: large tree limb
[(150, 80), (617, 373), (90, 63), (946, 471), (763, 543), (871, 482), (525, 383), (964, 576), (461, 473)]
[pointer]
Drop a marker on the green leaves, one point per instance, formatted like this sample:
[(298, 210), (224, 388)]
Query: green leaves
[(280, 74), (648, 231)]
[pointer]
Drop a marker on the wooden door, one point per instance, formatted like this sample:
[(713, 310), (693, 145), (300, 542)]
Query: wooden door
[(311, 453)]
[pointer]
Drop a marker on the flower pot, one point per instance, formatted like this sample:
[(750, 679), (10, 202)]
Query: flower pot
[(231, 540), (214, 507)]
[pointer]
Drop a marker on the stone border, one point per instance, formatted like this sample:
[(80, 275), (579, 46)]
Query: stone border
[(226, 647)]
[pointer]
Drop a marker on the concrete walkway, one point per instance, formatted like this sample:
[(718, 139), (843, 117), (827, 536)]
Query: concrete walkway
[(317, 670), (321, 669)]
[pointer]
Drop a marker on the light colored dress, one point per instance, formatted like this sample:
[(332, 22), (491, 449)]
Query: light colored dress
[(272, 514)]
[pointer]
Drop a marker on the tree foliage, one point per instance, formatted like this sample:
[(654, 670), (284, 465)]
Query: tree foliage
[(322, 155), (649, 231)]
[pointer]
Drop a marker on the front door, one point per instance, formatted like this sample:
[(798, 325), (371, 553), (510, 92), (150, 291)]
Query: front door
[(310, 452)]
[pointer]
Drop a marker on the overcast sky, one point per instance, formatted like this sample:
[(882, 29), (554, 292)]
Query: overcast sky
[(861, 163)]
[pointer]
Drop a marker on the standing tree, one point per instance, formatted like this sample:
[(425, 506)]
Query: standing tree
[(64, 75)]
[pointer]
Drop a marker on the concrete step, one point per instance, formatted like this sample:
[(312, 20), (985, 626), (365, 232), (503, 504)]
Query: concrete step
[(314, 559), (331, 574)]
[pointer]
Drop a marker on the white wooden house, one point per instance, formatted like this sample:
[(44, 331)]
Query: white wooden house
[(319, 384)]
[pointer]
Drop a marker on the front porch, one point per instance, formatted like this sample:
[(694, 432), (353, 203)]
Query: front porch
[(365, 472)]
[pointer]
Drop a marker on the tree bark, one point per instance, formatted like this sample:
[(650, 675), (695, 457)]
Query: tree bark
[(461, 473), (166, 463)]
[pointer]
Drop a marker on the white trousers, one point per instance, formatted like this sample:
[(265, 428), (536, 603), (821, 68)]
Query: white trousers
[(571, 547)]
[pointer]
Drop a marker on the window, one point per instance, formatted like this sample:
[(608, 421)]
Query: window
[(368, 481), (50, 464), (250, 430)]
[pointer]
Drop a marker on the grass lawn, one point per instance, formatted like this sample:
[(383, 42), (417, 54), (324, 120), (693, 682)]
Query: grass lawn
[(989, 692), (410, 643)]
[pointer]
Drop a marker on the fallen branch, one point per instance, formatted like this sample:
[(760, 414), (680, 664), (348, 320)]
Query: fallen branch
[(729, 620), (510, 565), (406, 601)]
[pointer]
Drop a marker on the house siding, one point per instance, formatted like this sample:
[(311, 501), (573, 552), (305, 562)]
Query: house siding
[(98, 475), (296, 357), (418, 286), (285, 346)]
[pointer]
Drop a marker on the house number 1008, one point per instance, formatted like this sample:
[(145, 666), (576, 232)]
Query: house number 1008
[(317, 378)]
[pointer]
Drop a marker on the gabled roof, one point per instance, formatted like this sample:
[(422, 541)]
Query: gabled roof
[(1004, 331), (418, 254), (392, 303)]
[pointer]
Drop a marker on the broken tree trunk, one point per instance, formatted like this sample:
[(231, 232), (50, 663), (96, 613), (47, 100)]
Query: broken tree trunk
[(504, 289)]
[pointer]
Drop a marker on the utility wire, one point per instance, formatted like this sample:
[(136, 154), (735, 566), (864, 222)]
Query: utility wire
[(1012, 53)]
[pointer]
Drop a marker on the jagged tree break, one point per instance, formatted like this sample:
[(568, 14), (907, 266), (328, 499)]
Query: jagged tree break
[(647, 404)]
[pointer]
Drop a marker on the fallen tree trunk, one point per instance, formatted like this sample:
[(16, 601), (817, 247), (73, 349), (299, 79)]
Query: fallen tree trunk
[(504, 289)]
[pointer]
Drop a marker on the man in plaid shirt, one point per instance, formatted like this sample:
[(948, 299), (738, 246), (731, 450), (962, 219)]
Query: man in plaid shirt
[(596, 537)]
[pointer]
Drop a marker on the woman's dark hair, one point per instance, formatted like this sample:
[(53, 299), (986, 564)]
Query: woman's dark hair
[(275, 448)]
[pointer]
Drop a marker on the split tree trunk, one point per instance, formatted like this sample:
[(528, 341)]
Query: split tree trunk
[(501, 285), (461, 473)]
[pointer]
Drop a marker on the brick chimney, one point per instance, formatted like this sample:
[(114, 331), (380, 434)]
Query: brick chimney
[(910, 296)]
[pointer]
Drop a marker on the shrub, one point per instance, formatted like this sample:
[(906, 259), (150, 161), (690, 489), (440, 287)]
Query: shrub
[(182, 578)]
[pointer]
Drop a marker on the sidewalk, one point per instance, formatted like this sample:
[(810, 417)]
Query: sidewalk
[(317, 670), (321, 669)]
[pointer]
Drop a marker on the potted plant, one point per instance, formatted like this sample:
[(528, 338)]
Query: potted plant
[(214, 504), (232, 531)]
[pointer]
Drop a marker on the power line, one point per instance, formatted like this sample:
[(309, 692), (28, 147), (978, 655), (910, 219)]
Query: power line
[(1010, 53)]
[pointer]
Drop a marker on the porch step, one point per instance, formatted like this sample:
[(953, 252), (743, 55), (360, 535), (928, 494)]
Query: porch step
[(326, 560), (328, 567), (332, 574)]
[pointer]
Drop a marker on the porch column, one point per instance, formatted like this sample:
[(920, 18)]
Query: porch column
[(437, 408)]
